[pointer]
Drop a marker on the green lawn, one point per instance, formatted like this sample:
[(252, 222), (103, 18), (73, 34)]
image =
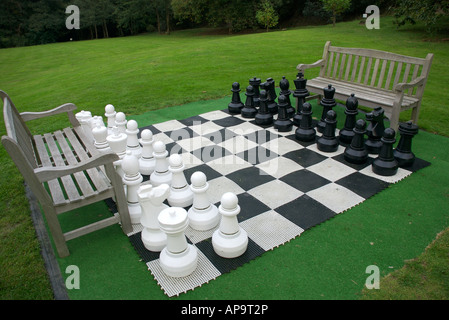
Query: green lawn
[(149, 72)]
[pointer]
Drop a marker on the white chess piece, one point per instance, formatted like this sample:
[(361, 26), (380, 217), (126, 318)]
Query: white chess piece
[(117, 142), (180, 193), (178, 258), (230, 240), (133, 142), (151, 202), (161, 174), (110, 114), (120, 122), (100, 133), (203, 215), (84, 118), (147, 161), (132, 180)]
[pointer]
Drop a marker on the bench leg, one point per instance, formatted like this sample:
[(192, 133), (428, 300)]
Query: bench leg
[(56, 231), (415, 113)]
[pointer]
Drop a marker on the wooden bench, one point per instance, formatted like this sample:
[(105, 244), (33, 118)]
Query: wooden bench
[(64, 170), (377, 78)]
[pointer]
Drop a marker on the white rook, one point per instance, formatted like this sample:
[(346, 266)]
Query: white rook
[(178, 258), (230, 240)]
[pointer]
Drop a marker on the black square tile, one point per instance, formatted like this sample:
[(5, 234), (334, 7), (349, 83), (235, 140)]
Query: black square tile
[(304, 180), (144, 253), (261, 136), (341, 158), (249, 178), (181, 134), (305, 157), (302, 143), (363, 185), (220, 135), (250, 206), (227, 264), (210, 153), (204, 168), (153, 130), (257, 155), (195, 120), (229, 121), (305, 212)]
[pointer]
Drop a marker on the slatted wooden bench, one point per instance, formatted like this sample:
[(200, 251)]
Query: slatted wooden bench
[(377, 78), (64, 170)]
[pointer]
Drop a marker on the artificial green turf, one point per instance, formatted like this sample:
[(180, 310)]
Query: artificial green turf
[(325, 262)]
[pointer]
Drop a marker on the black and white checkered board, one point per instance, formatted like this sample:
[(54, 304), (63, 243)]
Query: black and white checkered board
[(284, 186)]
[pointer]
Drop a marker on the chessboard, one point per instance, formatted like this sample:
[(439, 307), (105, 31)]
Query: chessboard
[(284, 186)]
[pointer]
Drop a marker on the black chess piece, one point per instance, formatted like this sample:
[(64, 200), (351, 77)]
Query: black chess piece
[(306, 132), (263, 116), (271, 90), (249, 111), (236, 104), (403, 152), (283, 122), (356, 152), (385, 164), (375, 130), (328, 142), (328, 102), (255, 82), (300, 94), (351, 112), (284, 85)]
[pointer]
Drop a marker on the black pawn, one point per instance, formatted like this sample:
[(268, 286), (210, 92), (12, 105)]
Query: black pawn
[(385, 164), (347, 133), (271, 90), (375, 130), (328, 142), (284, 85), (328, 102), (283, 122), (249, 111), (236, 104), (263, 116), (356, 152), (403, 152), (306, 132), (300, 94), (255, 82)]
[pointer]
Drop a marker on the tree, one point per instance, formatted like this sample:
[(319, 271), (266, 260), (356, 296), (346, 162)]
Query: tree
[(337, 7), (267, 16)]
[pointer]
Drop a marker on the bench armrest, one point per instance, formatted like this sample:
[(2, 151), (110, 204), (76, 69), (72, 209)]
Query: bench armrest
[(65, 108), (302, 67), (404, 86), (47, 173)]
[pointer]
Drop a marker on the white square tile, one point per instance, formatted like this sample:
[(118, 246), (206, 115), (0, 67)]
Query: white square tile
[(279, 167), (214, 115), (221, 185), (237, 144), (335, 197), (244, 128), (401, 174), (331, 169), (162, 137), (208, 128), (282, 145), (197, 236), (194, 143), (169, 125), (275, 193), (270, 229), (287, 133), (228, 164)]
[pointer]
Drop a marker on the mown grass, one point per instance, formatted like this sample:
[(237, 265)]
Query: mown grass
[(152, 71)]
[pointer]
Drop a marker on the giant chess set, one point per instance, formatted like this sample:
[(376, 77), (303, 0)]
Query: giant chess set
[(209, 193)]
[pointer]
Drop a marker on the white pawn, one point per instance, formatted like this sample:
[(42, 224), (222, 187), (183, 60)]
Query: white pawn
[(132, 180), (110, 114), (180, 193), (120, 122), (230, 240), (100, 133), (147, 161), (117, 142), (203, 215), (161, 174), (133, 142), (151, 202), (178, 258)]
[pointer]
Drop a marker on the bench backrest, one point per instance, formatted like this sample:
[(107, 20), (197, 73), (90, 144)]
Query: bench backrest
[(17, 130), (373, 68)]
